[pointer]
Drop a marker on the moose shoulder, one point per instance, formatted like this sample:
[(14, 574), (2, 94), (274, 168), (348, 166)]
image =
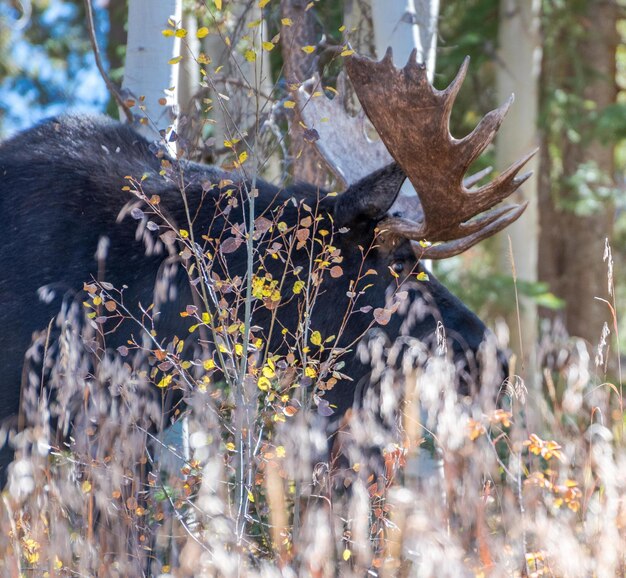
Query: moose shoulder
[(87, 202)]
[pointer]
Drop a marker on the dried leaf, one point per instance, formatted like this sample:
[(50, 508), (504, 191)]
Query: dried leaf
[(382, 316), (230, 245)]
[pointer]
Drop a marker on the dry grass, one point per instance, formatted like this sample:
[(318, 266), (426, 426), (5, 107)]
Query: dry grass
[(536, 489)]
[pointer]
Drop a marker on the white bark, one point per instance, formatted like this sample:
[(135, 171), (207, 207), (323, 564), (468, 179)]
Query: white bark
[(519, 66), (244, 80), (147, 75), (406, 25), (189, 71)]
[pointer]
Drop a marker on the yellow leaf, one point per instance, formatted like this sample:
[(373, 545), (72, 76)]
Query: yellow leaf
[(263, 384), (308, 49), (342, 28), (86, 487), (286, 21), (280, 452), (181, 33), (289, 104), (183, 233), (175, 60), (167, 379), (268, 372), (422, 276), (250, 55), (263, 3), (346, 555), (206, 317), (254, 23), (202, 32), (97, 300), (316, 338), (218, 4), (250, 496), (167, 33), (230, 446), (243, 157), (268, 46), (208, 364), (310, 372), (298, 286), (347, 52), (238, 348)]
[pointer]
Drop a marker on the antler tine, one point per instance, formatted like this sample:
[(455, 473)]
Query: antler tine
[(412, 118), (329, 117), (504, 184), (445, 250), (469, 182), (472, 146), (450, 93)]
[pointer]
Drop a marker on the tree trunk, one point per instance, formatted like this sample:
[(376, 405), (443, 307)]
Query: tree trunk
[(518, 70), (147, 74), (571, 243), (299, 66), (245, 82)]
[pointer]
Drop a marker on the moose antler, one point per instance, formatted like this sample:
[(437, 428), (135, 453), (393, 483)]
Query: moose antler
[(412, 118), (341, 137)]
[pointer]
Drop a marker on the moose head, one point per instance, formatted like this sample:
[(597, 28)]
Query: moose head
[(447, 215)]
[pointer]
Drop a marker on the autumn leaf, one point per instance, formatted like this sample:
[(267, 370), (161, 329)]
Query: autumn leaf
[(289, 104), (308, 49), (268, 46), (175, 60), (316, 338), (230, 245), (202, 32), (263, 3), (250, 55), (286, 21), (336, 272), (382, 316), (167, 379), (218, 4)]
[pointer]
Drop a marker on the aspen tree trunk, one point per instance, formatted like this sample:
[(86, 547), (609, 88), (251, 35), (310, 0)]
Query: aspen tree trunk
[(300, 66), (518, 69), (245, 82), (406, 25), (147, 74), (572, 245)]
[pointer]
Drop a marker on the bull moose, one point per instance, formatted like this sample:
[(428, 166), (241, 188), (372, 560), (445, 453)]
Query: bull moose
[(72, 183)]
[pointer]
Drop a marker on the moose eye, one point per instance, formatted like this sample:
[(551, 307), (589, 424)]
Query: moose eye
[(397, 266)]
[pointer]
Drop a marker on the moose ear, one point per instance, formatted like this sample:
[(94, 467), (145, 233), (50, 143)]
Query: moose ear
[(371, 197)]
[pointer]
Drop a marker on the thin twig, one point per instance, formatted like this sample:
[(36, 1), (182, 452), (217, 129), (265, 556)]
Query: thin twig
[(111, 86)]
